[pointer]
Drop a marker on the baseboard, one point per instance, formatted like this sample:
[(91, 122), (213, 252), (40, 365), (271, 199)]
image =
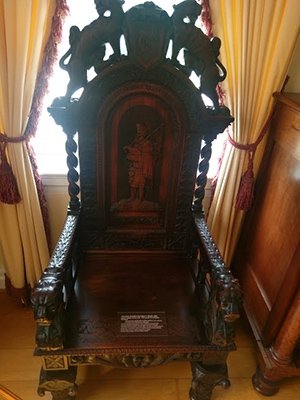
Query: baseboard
[(6, 394)]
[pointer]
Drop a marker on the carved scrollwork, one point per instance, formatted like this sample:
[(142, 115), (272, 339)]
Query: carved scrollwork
[(148, 241), (134, 360), (61, 390), (63, 245), (61, 384)]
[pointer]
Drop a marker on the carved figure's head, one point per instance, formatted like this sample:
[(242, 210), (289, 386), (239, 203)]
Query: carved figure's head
[(142, 129), (74, 34), (188, 9), (107, 5)]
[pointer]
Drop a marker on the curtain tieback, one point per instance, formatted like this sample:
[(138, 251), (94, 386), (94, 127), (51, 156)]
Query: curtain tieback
[(9, 192), (245, 192)]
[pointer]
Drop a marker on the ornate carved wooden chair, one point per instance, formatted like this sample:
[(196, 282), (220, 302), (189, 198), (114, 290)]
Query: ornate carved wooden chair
[(135, 279)]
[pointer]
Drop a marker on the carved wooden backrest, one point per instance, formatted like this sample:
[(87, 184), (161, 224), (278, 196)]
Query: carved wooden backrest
[(140, 124), (139, 141)]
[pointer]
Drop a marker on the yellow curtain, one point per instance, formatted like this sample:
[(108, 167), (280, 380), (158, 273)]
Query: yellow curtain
[(258, 38), (24, 30)]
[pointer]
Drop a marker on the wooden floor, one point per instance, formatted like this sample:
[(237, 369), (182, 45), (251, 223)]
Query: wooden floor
[(19, 370)]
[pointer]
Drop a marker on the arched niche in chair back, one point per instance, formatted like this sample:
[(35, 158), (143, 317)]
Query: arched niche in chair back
[(154, 193)]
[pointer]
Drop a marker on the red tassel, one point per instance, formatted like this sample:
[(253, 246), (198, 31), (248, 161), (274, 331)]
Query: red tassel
[(9, 192), (245, 193)]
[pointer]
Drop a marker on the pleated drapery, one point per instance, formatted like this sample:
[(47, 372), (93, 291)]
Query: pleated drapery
[(25, 30), (258, 38)]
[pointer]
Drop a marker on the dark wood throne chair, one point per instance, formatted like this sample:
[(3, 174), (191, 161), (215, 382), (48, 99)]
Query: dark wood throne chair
[(135, 279)]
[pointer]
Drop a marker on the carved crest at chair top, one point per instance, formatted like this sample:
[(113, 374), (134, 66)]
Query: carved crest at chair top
[(148, 31)]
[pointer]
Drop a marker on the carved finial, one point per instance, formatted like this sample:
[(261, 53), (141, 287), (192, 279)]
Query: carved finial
[(87, 48), (200, 53)]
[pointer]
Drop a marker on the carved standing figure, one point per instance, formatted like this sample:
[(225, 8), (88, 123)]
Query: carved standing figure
[(140, 156), (200, 52), (87, 47)]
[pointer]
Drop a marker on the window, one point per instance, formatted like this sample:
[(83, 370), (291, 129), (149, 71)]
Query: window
[(49, 143)]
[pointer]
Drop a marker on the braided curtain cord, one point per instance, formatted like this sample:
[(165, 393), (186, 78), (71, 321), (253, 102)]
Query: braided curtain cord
[(9, 192), (245, 194)]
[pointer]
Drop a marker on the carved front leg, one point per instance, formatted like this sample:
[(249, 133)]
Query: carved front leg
[(61, 384), (206, 375)]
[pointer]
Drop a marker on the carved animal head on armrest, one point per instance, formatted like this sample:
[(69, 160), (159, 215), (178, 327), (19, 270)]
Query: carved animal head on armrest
[(229, 298), (223, 309), (46, 300)]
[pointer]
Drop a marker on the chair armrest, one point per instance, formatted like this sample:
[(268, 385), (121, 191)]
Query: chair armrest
[(224, 298), (48, 297)]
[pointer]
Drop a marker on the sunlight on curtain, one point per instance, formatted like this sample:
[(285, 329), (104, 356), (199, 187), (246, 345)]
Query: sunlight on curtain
[(258, 38), (24, 29)]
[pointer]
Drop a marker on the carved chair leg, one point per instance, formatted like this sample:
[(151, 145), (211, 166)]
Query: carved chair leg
[(61, 384), (205, 377)]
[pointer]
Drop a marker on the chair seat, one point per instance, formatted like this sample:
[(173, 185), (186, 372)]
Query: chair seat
[(122, 304)]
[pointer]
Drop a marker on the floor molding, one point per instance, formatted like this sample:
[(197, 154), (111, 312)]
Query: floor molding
[(6, 394)]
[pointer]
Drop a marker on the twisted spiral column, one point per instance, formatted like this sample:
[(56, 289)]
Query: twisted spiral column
[(73, 176), (65, 115), (201, 179)]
